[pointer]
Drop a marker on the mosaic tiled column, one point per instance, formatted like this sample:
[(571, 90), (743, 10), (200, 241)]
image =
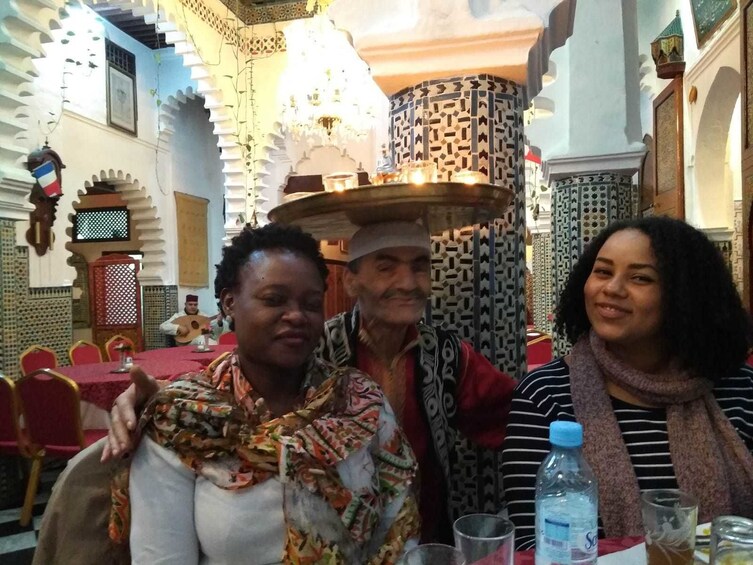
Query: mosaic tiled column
[(478, 289), (737, 247), (543, 299), (8, 301), (582, 206), (478, 272), (159, 303)]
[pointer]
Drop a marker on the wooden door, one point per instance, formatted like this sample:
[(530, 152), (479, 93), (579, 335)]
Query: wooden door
[(669, 170), (336, 300), (115, 299)]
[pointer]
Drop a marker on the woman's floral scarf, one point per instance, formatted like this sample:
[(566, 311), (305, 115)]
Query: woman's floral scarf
[(222, 430)]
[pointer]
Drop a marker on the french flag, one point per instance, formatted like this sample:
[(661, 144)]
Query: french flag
[(48, 179)]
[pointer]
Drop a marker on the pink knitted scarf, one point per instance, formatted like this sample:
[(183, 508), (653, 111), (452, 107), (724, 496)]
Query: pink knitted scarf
[(710, 459)]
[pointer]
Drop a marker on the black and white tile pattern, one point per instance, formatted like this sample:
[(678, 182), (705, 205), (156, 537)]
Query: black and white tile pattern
[(17, 543)]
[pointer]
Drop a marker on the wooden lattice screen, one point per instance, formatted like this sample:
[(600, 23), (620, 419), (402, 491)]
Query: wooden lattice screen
[(115, 299)]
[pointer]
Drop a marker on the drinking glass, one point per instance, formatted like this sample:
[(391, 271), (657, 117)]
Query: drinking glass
[(485, 539), (731, 541), (669, 518), (433, 554)]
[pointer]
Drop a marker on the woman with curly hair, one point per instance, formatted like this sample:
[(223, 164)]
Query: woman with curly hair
[(656, 376), (272, 456)]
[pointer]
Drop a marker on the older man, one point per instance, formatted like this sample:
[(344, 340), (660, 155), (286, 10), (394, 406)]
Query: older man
[(439, 387)]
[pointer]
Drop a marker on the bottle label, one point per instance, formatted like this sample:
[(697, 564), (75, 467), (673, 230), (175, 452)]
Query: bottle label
[(566, 539)]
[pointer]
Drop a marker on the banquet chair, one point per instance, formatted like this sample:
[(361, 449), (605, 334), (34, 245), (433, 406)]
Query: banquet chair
[(37, 357), (51, 407), (539, 350), (13, 438), (84, 352), (11, 441), (113, 342), (228, 338)]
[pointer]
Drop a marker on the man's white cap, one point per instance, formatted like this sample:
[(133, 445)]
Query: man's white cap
[(383, 235)]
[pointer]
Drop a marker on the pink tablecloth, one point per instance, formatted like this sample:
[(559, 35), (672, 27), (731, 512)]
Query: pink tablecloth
[(606, 546), (101, 387), (183, 353)]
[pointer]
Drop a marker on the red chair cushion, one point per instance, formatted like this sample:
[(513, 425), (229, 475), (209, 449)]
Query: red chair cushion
[(84, 354), (38, 359), (49, 409)]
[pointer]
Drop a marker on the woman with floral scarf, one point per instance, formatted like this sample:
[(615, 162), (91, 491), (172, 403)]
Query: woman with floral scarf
[(272, 456)]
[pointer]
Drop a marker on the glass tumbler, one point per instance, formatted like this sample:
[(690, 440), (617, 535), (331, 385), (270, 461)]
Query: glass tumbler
[(433, 554), (486, 539), (670, 517), (731, 541)]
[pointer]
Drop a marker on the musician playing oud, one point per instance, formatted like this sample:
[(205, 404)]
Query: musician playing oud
[(190, 308)]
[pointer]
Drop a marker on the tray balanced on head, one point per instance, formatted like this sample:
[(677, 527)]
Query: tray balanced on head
[(439, 206)]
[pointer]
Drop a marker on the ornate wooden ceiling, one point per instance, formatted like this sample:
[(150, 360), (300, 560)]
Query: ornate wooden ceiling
[(254, 12)]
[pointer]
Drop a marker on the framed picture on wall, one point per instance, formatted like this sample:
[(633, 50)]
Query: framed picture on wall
[(121, 99), (708, 15)]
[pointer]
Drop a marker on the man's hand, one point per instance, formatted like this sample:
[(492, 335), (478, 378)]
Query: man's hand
[(182, 330), (123, 413)]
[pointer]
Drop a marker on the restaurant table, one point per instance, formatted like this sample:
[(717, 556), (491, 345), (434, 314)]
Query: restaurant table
[(99, 387), (183, 353), (606, 546)]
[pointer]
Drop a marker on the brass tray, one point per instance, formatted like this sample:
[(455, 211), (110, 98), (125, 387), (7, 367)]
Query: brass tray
[(439, 206)]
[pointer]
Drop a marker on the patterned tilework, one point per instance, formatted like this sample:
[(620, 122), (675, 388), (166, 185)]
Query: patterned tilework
[(8, 301), (479, 290), (737, 247), (543, 300), (47, 313), (582, 206), (28, 316), (17, 542), (256, 45), (478, 284), (159, 303), (253, 15)]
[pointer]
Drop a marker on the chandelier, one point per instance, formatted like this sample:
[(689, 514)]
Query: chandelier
[(327, 94)]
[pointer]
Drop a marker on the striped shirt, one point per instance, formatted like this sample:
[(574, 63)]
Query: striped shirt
[(544, 396)]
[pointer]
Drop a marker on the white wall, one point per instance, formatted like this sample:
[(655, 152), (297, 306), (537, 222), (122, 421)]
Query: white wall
[(197, 170), (88, 146)]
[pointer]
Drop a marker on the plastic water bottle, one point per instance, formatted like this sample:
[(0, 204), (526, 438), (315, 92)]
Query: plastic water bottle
[(567, 501)]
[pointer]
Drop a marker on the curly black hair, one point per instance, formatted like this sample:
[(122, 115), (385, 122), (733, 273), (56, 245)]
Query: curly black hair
[(272, 236), (704, 324)]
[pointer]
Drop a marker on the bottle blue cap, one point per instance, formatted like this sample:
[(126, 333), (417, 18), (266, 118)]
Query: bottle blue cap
[(566, 434)]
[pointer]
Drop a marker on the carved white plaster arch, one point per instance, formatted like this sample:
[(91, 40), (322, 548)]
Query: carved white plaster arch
[(273, 168), (144, 220), (714, 199), (169, 110), (25, 26)]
